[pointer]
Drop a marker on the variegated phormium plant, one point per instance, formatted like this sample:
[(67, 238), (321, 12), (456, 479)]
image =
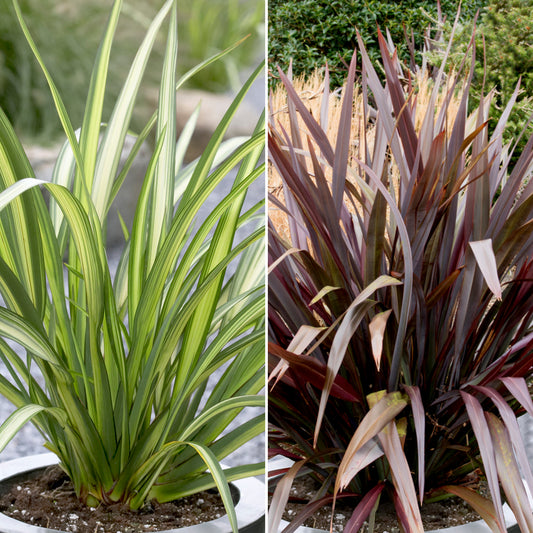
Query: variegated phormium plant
[(126, 361), (401, 303)]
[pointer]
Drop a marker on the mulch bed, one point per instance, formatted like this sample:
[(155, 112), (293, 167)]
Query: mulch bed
[(49, 501)]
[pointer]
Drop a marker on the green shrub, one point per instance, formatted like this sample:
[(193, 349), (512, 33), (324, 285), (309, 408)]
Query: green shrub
[(503, 45), (312, 31)]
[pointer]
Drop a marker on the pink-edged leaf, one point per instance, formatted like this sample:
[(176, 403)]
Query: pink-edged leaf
[(509, 419), (278, 372), (385, 408), (354, 314), (368, 453), (363, 509), (509, 474), (342, 147), (486, 261), (481, 505), (324, 105), (312, 125), (401, 514), (282, 258), (310, 509), (313, 371), (483, 437), (518, 388), (377, 331), (420, 427), (281, 497), (304, 336), (401, 477), (322, 292)]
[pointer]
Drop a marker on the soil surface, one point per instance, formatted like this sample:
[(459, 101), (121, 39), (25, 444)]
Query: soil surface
[(449, 513), (49, 501)]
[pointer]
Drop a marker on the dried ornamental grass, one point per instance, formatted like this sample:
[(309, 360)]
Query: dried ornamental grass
[(326, 106)]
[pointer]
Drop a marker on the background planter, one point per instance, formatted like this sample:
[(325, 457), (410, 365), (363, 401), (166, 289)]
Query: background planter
[(249, 508)]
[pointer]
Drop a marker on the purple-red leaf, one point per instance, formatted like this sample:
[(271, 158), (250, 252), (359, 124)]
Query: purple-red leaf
[(509, 474), (481, 505), (484, 440), (419, 418), (486, 261), (363, 509), (518, 388), (313, 371), (314, 128), (309, 510), (342, 147)]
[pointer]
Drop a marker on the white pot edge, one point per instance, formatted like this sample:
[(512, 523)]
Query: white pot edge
[(252, 492)]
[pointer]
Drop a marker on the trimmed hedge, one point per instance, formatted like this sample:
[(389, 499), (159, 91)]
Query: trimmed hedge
[(311, 32)]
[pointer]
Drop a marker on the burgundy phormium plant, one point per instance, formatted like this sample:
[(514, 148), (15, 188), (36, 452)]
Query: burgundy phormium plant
[(401, 305)]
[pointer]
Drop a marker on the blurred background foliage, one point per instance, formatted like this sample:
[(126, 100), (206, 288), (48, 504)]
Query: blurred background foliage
[(67, 33)]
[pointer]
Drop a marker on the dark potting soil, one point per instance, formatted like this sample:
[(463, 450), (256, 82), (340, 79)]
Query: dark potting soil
[(49, 501), (449, 513)]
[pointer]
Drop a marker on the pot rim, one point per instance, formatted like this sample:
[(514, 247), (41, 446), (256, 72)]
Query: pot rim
[(251, 491)]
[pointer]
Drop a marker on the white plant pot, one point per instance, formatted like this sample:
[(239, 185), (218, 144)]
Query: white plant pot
[(250, 507)]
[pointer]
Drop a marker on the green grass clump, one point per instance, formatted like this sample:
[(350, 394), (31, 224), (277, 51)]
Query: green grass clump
[(312, 31), (126, 359)]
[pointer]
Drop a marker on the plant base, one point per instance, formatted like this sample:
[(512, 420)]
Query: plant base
[(164, 519)]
